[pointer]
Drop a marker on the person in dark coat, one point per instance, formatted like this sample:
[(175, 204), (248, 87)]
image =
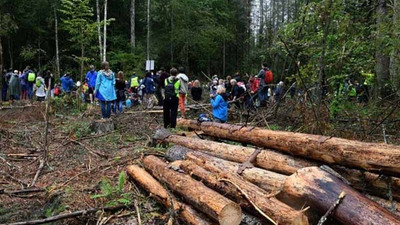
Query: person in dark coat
[(14, 86), (120, 92), (196, 91)]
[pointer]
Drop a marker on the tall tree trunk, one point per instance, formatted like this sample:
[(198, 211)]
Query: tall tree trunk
[(56, 37), (82, 55), (171, 36), (99, 29), (224, 58), (105, 32), (133, 37), (321, 73), (148, 29), (1, 55), (382, 58), (396, 52), (261, 28), (10, 53)]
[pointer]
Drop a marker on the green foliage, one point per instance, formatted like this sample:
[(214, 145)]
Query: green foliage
[(79, 129), (113, 195)]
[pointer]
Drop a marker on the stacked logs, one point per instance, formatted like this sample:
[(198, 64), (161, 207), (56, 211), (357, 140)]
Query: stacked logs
[(287, 178)]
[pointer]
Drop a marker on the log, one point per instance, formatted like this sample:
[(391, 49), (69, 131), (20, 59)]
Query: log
[(267, 159), (371, 183), (321, 189), (285, 164), (194, 192), (267, 180), (387, 204), (369, 156), (150, 184), (262, 201), (212, 181)]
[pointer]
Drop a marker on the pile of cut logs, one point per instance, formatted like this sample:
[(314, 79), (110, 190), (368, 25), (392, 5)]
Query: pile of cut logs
[(228, 174)]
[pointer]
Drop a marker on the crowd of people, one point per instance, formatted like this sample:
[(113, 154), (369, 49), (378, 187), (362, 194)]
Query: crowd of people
[(170, 90), (24, 85)]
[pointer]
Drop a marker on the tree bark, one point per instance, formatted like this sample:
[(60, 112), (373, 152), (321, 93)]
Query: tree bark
[(10, 52), (370, 156), (382, 58), (396, 52), (395, 206), (285, 164), (105, 32), (56, 37), (99, 29), (320, 190), (202, 198), (321, 73), (371, 183), (267, 159), (363, 181), (133, 14), (157, 191), (267, 180), (212, 181), (279, 212), (148, 30)]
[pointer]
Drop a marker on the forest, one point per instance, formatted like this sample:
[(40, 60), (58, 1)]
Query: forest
[(256, 112), (314, 42)]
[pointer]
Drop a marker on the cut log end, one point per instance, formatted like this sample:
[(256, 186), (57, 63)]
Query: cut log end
[(230, 214)]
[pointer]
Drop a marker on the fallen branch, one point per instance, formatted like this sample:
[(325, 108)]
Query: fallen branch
[(332, 208), (23, 191), (251, 202), (89, 149), (67, 215), (41, 165)]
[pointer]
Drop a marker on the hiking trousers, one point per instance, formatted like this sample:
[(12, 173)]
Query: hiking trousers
[(170, 112)]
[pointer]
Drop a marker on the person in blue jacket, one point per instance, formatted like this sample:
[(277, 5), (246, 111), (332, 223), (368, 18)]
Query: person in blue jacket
[(67, 84), (105, 89), (148, 90), (219, 105), (91, 77)]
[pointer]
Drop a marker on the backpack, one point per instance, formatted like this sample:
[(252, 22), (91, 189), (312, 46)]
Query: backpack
[(56, 91), (38, 82), (31, 77), (203, 118), (269, 77), (170, 89)]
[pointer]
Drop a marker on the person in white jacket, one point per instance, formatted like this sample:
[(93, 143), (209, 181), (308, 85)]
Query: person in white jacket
[(40, 88), (184, 89)]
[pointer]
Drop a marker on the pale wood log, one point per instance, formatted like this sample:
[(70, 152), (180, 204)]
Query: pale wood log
[(274, 161), (194, 192), (157, 191), (259, 198), (267, 159), (370, 156), (267, 180)]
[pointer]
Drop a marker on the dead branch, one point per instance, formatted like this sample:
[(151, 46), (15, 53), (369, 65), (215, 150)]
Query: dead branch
[(89, 149), (67, 215), (332, 208), (41, 165)]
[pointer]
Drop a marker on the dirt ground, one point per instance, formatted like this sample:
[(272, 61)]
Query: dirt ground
[(84, 169), (80, 163)]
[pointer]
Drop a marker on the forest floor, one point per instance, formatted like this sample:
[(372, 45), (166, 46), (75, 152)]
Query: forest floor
[(84, 169)]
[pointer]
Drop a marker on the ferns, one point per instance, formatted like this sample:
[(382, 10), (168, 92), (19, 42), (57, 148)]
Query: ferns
[(113, 195)]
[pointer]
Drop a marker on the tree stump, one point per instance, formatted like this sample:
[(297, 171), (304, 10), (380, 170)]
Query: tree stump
[(102, 126)]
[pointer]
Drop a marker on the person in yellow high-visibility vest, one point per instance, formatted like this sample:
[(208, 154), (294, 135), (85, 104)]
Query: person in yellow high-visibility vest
[(134, 83)]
